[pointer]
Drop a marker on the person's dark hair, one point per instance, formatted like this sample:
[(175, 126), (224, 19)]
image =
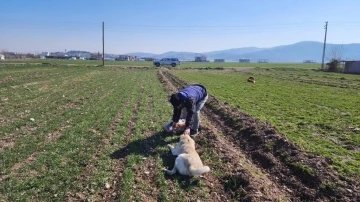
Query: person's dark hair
[(174, 100)]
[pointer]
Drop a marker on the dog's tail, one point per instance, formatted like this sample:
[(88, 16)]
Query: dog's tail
[(199, 171)]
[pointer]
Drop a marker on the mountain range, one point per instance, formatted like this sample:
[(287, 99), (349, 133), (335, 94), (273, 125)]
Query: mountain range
[(297, 52)]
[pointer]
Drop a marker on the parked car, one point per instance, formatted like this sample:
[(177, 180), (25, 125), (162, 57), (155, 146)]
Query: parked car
[(167, 61)]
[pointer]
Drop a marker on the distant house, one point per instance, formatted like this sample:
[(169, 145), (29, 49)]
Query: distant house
[(309, 61), (56, 54), (352, 67), (219, 60), (95, 56), (201, 58), (126, 58), (244, 60), (11, 55), (263, 61), (148, 59), (58, 57), (2, 57), (43, 55)]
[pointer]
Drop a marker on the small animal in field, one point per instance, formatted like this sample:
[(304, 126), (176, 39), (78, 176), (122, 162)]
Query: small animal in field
[(188, 161), (251, 79)]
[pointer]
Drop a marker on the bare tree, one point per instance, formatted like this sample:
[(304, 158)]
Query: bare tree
[(4, 52), (336, 53), (335, 57)]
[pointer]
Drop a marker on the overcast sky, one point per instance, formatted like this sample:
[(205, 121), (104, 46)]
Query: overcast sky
[(157, 26)]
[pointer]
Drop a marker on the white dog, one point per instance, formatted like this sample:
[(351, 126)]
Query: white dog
[(188, 161)]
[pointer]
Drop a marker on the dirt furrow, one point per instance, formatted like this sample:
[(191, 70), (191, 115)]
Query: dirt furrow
[(113, 193), (3, 198), (10, 140), (91, 165), (51, 137), (305, 176), (6, 142), (4, 121), (239, 178), (145, 173)]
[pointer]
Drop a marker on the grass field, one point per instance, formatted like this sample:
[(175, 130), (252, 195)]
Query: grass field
[(55, 120), (183, 64), (318, 111), (71, 133)]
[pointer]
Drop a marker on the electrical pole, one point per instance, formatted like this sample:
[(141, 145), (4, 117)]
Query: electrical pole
[(322, 63), (103, 42)]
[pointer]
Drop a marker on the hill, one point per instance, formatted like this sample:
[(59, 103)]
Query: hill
[(297, 52)]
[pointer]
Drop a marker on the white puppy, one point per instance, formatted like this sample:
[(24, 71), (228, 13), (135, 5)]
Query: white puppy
[(188, 161)]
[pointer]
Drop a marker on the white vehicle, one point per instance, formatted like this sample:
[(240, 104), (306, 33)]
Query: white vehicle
[(167, 61)]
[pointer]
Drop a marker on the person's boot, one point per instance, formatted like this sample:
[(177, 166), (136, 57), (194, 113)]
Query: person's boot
[(194, 133)]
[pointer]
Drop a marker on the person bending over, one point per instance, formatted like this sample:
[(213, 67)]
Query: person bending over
[(187, 104)]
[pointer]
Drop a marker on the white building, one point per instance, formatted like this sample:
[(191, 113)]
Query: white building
[(263, 61), (201, 58), (219, 60), (244, 60), (2, 57)]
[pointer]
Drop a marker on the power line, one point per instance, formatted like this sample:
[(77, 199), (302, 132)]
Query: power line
[(2, 21), (139, 28), (116, 23), (183, 28)]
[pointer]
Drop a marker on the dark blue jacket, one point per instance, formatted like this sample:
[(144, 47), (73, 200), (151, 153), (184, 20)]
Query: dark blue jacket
[(190, 97)]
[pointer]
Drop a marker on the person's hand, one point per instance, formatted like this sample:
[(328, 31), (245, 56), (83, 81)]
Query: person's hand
[(187, 131)]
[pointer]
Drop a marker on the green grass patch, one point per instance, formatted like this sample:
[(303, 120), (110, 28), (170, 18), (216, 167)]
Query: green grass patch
[(182, 64), (72, 103), (319, 111)]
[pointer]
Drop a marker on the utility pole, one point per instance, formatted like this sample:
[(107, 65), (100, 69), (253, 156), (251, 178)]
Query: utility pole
[(322, 63), (103, 42)]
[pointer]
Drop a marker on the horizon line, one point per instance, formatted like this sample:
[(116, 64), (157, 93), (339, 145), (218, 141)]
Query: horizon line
[(179, 50)]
